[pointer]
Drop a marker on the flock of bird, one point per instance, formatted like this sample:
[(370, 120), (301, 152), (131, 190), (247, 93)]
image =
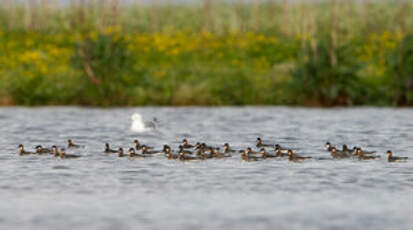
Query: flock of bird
[(202, 151)]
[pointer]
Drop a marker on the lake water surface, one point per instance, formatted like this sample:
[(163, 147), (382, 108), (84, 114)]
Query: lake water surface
[(99, 191)]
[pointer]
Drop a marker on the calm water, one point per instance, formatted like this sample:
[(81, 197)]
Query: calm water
[(105, 192)]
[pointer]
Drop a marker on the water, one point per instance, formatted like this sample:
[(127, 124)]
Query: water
[(105, 192)]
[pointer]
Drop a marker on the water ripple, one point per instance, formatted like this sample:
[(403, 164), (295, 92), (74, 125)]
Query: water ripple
[(100, 191)]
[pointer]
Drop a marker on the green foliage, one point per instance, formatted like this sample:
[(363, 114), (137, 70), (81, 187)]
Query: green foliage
[(323, 79), (42, 90), (180, 54), (104, 61), (401, 69)]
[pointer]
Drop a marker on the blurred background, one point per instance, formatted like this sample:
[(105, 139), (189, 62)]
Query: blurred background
[(206, 52)]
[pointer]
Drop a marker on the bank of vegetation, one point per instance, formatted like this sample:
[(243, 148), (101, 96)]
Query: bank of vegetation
[(104, 53)]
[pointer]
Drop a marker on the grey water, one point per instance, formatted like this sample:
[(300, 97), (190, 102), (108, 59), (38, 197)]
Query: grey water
[(99, 191)]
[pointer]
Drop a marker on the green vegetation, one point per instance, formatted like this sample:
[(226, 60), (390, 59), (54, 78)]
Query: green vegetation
[(206, 53)]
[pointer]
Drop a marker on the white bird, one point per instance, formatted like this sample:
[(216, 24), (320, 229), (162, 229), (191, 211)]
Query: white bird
[(139, 125)]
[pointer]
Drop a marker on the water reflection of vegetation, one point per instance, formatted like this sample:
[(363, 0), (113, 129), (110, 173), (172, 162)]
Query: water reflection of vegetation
[(226, 54)]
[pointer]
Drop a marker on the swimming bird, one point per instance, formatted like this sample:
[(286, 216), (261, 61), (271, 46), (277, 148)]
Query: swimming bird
[(361, 156), (356, 150), (23, 152), (186, 145), (261, 144), (265, 154), (338, 154), (199, 147), (182, 149), (121, 153), (227, 149), (282, 149), (166, 148), (41, 150), (139, 125), (138, 145), (168, 153), (108, 149), (392, 158), (184, 157), (206, 154), (171, 156), (202, 147), (217, 154), (279, 153), (55, 151), (145, 150), (63, 155), (346, 150), (70, 144), (199, 151), (246, 157), (133, 154), (365, 152), (293, 157), (250, 151), (329, 147)]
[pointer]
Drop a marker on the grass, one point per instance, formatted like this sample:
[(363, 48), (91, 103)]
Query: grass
[(206, 53)]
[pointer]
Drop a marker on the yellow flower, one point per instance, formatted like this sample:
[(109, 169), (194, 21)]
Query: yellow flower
[(29, 43), (109, 30), (30, 56), (93, 35)]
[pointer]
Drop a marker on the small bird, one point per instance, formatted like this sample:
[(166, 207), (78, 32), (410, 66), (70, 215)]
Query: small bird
[(265, 154), (138, 145), (23, 152), (108, 149), (70, 144), (145, 150), (346, 150), (182, 149), (279, 153), (296, 158), (168, 153), (227, 149), (206, 154), (365, 152), (282, 149), (166, 148), (198, 145), (392, 158), (133, 154), (356, 150), (63, 155), (186, 145), (203, 146), (217, 154), (261, 144), (171, 156), (250, 151), (199, 151), (338, 154), (246, 157), (361, 156), (184, 157), (120, 152), (55, 151), (41, 150), (329, 147)]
